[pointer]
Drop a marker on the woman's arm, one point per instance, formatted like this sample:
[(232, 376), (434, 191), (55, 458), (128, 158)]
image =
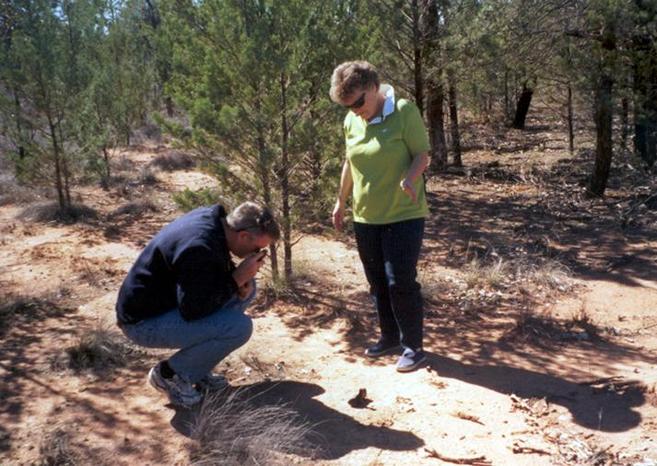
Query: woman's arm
[(346, 183), (418, 166)]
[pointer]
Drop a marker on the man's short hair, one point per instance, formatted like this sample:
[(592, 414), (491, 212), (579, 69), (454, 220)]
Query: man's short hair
[(254, 218)]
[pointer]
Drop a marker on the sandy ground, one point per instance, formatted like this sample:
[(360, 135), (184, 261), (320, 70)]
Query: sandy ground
[(497, 389)]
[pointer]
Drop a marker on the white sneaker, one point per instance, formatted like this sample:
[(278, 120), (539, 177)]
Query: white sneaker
[(179, 392)]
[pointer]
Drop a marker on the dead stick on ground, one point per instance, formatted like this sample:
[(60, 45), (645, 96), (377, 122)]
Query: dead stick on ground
[(601, 381), (517, 449), (476, 461)]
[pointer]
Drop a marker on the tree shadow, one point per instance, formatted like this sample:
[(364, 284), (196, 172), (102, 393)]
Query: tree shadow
[(586, 236), (26, 324), (337, 433), (603, 410)]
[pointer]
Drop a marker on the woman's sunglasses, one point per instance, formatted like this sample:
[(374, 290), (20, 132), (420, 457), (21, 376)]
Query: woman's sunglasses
[(358, 103)]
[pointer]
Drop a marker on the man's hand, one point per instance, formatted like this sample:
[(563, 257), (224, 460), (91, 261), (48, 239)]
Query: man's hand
[(406, 185), (338, 215), (248, 268), (245, 291)]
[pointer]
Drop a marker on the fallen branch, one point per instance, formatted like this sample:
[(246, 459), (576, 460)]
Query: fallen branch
[(467, 417), (602, 381), (524, 449), (477, 461)]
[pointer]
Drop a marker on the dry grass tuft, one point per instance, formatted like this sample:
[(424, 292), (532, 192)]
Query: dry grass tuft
[(491, 275), (545, 330), (11, 192), (173, 160), (55, 449), (134, 209), (52, 212), (147, 177), (547, 273), (232, 429), (100, 349), (59, 448)]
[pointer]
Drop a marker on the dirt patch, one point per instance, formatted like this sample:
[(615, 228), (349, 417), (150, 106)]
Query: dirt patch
[(539, 309)]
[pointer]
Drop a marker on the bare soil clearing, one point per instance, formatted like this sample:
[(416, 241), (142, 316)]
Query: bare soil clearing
[(520, 371)]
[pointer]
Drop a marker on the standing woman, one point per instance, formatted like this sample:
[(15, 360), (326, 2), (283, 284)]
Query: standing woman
[(387, 152)]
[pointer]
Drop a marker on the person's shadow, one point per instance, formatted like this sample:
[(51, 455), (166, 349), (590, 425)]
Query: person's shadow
[(608, 410), (336, 433)]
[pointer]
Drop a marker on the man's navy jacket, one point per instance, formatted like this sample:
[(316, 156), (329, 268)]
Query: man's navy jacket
[(186, 266)]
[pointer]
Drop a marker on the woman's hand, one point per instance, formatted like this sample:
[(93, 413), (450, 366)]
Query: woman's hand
[(338, 215), (406, 185)]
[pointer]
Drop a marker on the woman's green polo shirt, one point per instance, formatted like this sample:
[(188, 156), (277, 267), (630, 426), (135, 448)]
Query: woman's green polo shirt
[(380, 155)]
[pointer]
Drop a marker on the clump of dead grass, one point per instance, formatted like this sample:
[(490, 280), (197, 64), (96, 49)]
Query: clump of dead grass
[(12, 192), (52, 212), (173, 160), (134, 208), (98, 350), (55, 449), (544, 272), (478, 273), (542, 330), (497, 273), (58, 447), (147, 177), (232, 429)]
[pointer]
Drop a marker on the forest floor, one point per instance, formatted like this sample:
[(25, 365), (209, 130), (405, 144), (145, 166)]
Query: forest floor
[(541, 319)]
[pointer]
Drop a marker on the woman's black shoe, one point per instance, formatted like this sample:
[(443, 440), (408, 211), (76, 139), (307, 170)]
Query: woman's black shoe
[(381, 348)]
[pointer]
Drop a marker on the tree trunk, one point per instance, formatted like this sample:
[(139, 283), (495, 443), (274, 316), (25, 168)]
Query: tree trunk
[(168, 102), (569, 116), (285, 181), (19, 130), (522, 108), (315, 158), (645, 100), (435, 92), (417, 57), (65, 169), (507, 98), (435, 117), (603, 127), (263, 174), (107, 175), (454, 120), (59, 186), (625, 123)]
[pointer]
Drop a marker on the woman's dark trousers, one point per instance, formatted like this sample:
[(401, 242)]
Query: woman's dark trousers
[(389, 254)]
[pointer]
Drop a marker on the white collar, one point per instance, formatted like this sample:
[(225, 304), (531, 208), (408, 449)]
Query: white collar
[(388, 106)]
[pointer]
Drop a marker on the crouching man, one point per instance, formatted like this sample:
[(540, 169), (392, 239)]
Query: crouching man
[(185, 292)]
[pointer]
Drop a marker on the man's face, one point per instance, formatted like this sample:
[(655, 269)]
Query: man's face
[(248, 243)]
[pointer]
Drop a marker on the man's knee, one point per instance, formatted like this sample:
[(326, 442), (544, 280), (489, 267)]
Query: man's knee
[(243, 329)]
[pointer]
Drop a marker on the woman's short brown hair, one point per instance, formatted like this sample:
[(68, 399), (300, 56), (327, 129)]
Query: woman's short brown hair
[(350, 77)]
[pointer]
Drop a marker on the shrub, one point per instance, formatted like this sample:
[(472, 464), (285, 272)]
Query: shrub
[(188, 200)]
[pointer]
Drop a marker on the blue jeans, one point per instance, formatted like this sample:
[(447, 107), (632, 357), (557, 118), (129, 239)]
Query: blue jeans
[(389, 254), (203, 343)]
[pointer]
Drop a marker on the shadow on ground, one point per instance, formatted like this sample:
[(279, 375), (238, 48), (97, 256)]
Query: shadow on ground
[(335, 433), (603, 410)]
